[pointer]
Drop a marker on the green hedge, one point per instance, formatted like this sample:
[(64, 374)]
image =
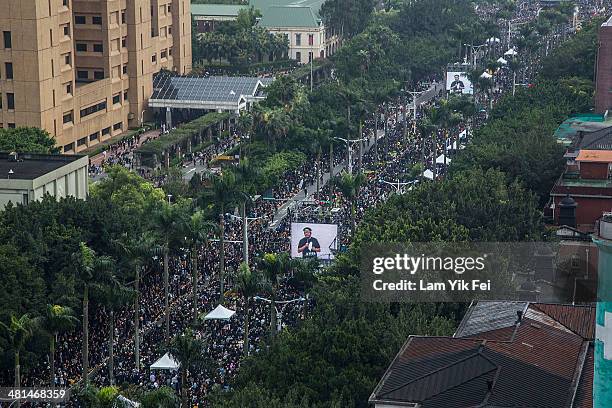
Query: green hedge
[(181, 134)]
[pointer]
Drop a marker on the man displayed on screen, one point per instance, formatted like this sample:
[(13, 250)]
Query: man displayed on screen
[(308, 246), (457, 85)]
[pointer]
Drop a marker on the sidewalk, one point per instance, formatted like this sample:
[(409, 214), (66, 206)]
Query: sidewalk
[(151, 134)]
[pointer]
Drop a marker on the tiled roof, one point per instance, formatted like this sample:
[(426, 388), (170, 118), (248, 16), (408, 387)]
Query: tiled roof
[(289, 16), (486, 316), (543, 363), (595, 156)]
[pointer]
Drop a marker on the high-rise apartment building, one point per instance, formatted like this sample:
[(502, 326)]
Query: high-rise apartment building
[(82, 69)]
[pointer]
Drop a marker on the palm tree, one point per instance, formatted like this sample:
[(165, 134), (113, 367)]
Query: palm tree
[(57, 319), (19, 330), (222, 192), (190, 352), (248, 285), (134, 253), (166, 225), (244, 123), (427, 129), (246, 174), (113, 296), (92, 270), (195, 228), (349, 186), (163, 397), (274, 267)]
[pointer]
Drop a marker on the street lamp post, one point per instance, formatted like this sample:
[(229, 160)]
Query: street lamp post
[(350, 153), (284, 303), (398, 185), (245, 234)]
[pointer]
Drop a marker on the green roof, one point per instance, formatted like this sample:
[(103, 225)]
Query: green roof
[(289, 16), (582, 122), (227, 10)]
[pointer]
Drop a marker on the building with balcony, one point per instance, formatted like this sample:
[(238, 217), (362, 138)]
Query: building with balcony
[(82, 69)]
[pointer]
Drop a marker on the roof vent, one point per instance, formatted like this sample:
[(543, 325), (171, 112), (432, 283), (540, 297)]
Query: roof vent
[(519, 316)]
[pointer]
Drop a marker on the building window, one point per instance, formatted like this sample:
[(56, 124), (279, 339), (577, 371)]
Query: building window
[(124, 69), (65, 3), (125, 95), (8, 41), (154, 58), (116, 99), (11, 125), (124, 42), (10, 101), (82, 75), (69, 147), (97, 20), (82, 141), (80, 20), (106, 131), (310, 39), (164, 54), (68, 117), (169, 8), (310, 56), (123, 17), (298, 39), (98, 75), (69, 88), (117, 126), (67, 30), (81, 47), (25, 199), (8, 67), (93, 136), (93, 109), (298, 56), (98, 48), (67, 59), (170, 33)]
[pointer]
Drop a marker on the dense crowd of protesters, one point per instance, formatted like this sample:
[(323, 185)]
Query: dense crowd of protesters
[(395, 153)]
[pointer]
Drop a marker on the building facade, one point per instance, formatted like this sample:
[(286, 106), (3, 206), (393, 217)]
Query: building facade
[(28, 177), (308, 37), (82, 69)]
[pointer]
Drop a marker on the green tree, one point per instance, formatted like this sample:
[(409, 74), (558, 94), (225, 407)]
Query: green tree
[(19, 331), (248, 284), (221, 193), (27, 140), (57, 319), (349, 185), (163, 397), (166, 225), (196, 229), (92, 271), (190, 352)]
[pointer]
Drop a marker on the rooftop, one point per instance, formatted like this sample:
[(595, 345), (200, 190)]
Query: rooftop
[(213, 92), (595, 156), (31, 166), (226, 10), (546, 361)]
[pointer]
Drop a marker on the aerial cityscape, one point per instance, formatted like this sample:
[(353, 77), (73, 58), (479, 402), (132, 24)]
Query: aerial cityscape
[(306, 203)]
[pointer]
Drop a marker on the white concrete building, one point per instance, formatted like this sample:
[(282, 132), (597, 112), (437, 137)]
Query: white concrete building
[(28, 177)]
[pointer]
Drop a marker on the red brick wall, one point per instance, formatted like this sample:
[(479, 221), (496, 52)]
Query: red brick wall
[(603, 85), (597, 171), (588, 210)]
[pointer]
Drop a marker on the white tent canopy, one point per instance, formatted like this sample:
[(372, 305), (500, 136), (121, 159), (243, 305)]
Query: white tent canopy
[(463, 134), (511, 51), (166, 362), (440, 159), (502, 61), (220, 313), (428, 174)]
